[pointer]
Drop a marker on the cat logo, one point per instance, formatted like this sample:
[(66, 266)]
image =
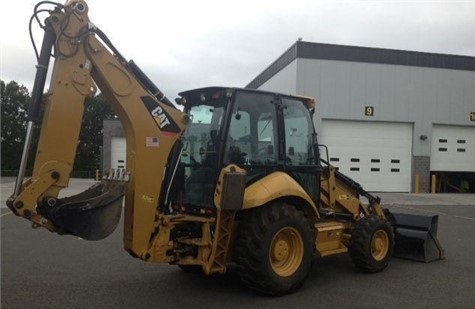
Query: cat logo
[(156, 111)]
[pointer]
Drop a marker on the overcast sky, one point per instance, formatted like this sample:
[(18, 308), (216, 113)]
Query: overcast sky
[(189, 44)]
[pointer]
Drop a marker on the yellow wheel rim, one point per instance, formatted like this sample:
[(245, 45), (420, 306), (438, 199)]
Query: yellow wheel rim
[(286, 251), (379, 245)]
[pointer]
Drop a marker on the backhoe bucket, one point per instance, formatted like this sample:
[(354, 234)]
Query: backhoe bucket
[(92, 215), (416, 237)]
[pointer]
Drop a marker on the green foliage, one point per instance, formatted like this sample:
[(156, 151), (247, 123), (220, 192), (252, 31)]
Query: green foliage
[(88, 156), (14, 104), (14, 107)]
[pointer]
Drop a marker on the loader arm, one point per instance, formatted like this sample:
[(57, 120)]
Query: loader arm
[(84, 58), (340, 195), (415, 235)]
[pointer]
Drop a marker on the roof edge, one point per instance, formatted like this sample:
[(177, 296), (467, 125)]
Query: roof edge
[(322, 51), (281, 62)]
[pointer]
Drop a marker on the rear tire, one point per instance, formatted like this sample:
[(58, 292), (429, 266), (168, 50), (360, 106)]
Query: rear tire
[(372, 244), (191, 269), (274, 249)]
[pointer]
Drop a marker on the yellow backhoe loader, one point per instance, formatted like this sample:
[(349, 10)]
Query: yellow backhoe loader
[(236, 177)]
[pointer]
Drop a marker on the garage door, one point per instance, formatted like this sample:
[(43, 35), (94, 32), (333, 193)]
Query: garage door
[(118, 152), (452, 149), (375, 154)]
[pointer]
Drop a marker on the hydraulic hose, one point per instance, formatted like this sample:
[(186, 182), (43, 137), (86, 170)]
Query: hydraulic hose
[(34, 109), (49, 39)]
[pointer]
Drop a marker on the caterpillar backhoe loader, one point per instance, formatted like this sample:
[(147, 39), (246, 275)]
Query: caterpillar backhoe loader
[(234, 177)]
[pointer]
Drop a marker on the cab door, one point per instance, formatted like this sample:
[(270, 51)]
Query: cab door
[(301, 159)]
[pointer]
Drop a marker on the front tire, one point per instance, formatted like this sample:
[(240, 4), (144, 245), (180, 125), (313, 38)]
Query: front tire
[(274, 249), (372, 244)]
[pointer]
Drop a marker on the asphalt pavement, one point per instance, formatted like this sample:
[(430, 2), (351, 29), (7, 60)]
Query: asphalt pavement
[(40, 269)]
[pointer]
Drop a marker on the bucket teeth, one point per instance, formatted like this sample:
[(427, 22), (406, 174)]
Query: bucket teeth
[(94, 213), (119, 174), (126, 176)]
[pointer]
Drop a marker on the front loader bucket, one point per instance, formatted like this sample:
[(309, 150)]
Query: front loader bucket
[(92, 215), (416, 237)]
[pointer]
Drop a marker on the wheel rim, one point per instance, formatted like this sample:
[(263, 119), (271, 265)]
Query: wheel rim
[(379, 245), (286, 251)]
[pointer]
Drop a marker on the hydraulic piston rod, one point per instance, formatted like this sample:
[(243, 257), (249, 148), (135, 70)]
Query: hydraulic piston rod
[(35, 103)]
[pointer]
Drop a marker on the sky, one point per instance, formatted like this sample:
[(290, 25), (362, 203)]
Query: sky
[(183, 45)]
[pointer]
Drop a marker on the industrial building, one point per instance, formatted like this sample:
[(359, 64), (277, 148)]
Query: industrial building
[(390, 119)]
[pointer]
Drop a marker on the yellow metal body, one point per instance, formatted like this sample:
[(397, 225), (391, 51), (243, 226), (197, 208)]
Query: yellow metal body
[(330, 238), (337, 196), (83, 62), (274, 186)]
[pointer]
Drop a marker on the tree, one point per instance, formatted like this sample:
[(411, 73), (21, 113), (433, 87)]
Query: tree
[(14, 103), (88, 156)]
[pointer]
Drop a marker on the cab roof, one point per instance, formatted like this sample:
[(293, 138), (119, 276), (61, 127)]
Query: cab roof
[(194, 96)]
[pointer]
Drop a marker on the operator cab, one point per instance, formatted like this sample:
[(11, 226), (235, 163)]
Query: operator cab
[(261, 132)]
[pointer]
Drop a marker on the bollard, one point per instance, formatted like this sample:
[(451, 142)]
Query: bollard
[(97, 174), (433, 183), (417, 180)]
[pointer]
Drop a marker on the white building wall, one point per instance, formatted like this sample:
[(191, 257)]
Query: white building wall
[(398, 93), (284, 81)]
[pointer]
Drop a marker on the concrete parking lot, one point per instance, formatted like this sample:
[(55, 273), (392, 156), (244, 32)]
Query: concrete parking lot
[(40, 269)]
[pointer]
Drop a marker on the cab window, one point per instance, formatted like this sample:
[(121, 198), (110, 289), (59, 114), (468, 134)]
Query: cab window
[(253, 131)]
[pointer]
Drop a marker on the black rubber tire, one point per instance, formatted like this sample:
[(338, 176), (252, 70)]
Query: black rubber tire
[(192, 269), (263, 269), (370, 232), (389, 216)]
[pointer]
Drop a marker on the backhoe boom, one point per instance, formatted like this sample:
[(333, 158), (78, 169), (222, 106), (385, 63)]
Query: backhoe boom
[(84, 59)]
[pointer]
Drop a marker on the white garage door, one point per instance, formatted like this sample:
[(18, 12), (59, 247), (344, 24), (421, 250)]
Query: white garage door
[(453, 149), (118, 152), (375, 154)]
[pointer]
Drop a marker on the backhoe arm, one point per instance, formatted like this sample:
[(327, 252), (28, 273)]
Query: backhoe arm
[(84, 58)]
